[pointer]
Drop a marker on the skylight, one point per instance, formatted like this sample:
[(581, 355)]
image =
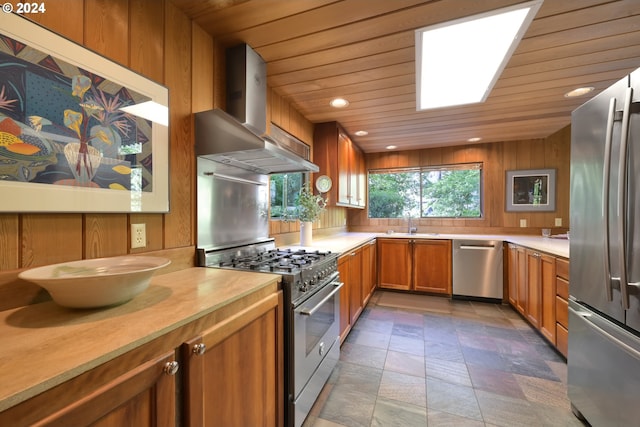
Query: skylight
[(458, 62)]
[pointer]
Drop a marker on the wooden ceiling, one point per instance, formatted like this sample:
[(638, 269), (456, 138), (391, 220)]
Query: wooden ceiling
[(363, 50)]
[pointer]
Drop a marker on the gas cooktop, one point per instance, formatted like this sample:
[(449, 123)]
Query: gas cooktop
[(280, 261)]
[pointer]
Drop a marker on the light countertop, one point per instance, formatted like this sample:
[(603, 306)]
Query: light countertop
[(44, 344), (345, 242)]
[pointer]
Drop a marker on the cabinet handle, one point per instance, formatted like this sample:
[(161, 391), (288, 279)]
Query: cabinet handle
[(171, 368), (353, 254), (199, 349)]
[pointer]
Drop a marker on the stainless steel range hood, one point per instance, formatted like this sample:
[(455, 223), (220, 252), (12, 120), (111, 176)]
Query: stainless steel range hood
[(222, 139), (237, 139)]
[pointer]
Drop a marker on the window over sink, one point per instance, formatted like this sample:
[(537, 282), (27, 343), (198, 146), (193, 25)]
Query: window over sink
[(444, 191)]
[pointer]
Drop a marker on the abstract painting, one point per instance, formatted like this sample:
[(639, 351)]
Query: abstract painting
[(531, 190), (69, 141)]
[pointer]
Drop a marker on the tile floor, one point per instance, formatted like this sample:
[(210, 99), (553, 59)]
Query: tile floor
[(416, 360)]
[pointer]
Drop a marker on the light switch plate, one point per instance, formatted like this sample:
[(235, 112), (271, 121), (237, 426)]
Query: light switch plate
[(558, 222), (523, 223), (138, 236)]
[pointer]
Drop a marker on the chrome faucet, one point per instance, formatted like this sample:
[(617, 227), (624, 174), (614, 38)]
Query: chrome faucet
[(411, 230)]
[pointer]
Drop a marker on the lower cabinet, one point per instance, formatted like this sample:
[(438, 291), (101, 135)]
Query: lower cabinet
[(142, 395), (432, 266), (415, 264), (345, 318), (357, 270), (229, 375), (234, 371), (369, 270), (539, 290), (548, 297), (562, 305), (394, 264)]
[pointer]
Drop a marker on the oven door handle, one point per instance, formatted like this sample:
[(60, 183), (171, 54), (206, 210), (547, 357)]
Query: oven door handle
[(310, 311)]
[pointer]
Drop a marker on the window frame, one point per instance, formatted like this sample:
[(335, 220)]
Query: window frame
[(432, 168), (305, 179)]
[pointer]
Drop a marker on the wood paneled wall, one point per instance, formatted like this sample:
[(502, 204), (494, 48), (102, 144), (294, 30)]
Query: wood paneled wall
[(155, 39), (497, 158), (152, 38), (334, 219)]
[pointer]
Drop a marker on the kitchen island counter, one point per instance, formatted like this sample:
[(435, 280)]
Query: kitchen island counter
[(44, 345)]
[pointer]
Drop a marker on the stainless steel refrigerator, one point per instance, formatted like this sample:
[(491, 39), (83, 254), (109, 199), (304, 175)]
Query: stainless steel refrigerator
[(604, 305)]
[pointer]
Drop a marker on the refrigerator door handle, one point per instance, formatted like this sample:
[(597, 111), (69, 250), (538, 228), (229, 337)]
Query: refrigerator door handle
[(606, 178), (622, 198)]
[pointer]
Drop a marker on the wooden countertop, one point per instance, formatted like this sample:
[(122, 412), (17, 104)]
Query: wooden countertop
[(345, 242), (44, 344)]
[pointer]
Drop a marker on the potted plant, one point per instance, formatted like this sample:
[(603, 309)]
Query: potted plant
[(309, 207)]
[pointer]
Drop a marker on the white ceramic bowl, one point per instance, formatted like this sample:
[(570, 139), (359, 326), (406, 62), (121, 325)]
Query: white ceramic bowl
[(96, 282)]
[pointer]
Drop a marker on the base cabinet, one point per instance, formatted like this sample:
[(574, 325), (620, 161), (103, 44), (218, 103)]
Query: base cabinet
[(394, 264), (143, 395), (358, 272), (432, 266), (415, 265), (369, 271), (562, 305), (234, 370), (539, 290), (229, 375)]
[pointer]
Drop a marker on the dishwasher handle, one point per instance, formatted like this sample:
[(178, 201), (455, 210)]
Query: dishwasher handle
[(478, 247)]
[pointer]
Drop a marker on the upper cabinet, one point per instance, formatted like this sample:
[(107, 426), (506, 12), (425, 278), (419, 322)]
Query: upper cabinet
[(341, 160)]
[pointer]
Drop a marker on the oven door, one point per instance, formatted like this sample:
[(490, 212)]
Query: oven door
[(316, 328)]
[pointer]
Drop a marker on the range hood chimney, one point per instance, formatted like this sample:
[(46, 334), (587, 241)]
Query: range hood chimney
[(237, 138)]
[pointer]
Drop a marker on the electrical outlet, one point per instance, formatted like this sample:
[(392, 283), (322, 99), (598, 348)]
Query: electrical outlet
[(523, 223), (558, 222), (138, 236)]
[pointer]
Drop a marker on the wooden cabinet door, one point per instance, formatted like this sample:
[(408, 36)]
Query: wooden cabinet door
[(144, 396), (533, 303), (345, 319), (356, 296), (394, 264), (361, 171), (369, 278), (548, 297), (521, 279), (432, 266), (358, 180), (237, 379), (512, 267), (344, 170)]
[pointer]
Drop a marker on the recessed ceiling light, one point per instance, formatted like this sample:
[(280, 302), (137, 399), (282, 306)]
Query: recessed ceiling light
[(458, 62), (578, 92), (391, 147), (474, 139), (339, 103), (362, 133)]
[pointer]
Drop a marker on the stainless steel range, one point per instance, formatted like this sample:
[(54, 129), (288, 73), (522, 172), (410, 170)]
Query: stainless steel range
[(311, 284), (234, 159)]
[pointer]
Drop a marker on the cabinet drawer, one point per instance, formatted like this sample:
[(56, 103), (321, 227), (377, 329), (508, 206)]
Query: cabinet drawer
[(562, 312), (562, 339), (562, 268), (562, 288)]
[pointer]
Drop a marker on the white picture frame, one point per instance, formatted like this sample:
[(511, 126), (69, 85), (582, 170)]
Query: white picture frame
[(18, 193)]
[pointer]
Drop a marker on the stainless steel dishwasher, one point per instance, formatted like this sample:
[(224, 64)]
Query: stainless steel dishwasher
[(477, 269)]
